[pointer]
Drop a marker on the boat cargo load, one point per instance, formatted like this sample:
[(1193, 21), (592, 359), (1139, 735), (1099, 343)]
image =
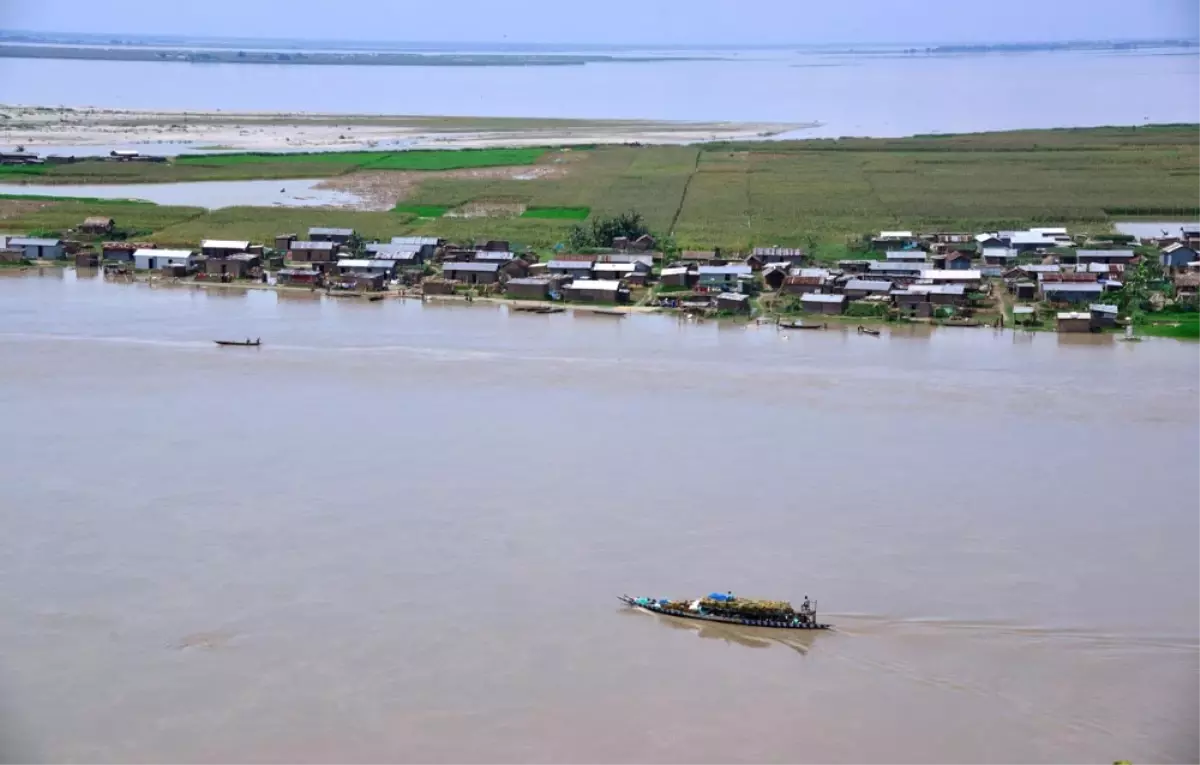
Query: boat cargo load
[(720, 607), (748, 608)]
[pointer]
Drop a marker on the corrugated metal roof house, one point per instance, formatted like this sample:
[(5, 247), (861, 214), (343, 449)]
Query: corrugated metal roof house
[(154, 259)]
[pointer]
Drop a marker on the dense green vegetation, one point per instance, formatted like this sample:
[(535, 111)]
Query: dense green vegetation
[(557, 213), (819, 194), (603, 231)]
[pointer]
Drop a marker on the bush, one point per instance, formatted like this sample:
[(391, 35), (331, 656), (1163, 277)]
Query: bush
[(861, 310)]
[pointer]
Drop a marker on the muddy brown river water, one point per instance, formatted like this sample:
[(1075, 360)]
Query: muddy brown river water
[(396, 532)]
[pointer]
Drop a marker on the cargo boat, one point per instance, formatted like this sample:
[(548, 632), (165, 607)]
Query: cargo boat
[(730, 610)]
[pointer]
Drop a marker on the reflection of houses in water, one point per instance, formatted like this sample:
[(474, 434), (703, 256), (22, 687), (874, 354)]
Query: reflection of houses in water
[(298, 296)]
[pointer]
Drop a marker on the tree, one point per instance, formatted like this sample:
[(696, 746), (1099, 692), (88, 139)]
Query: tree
[(667, 245), (580, 238), (627, 224), (1140, 279), (604, 230), (356, 244)]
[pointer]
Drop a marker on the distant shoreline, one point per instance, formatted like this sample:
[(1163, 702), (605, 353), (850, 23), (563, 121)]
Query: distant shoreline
[(192, 42), (186, 55)]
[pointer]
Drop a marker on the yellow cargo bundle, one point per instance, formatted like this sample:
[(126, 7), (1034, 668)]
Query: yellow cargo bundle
[(749, 607)]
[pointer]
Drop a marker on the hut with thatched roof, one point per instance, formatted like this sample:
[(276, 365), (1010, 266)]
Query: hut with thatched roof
[(97, 224)]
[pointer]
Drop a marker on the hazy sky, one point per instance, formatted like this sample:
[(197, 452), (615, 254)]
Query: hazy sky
[(608, 21)]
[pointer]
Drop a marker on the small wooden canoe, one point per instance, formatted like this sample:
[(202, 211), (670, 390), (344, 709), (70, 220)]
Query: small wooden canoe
[(868, 331), (239, 343), (375, 298), (601, 312)]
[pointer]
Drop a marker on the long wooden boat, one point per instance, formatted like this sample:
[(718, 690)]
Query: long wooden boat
[(600, 312), (657, 608), (798, 325), (961, 324), (543, 309), (868, 331), (239, 343)]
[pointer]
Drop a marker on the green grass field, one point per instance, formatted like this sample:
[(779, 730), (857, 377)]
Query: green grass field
[(344, 158), (819, 194), (1180, 325), (252, 166), (259, 224), (557, 213), (99, 171), (455, 160), (421, 211), (87, 200), (141, 219), (18, 172), (374, 160)]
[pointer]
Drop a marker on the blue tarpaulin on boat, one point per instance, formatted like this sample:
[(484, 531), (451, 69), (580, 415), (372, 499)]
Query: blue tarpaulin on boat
[(719, 596)]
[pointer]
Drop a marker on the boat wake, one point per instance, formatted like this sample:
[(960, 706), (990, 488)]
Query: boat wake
[(868, 624), (799, 641)]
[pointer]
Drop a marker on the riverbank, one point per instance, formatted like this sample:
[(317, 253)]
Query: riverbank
[(91, 130), (1167, 324), (154, 280)]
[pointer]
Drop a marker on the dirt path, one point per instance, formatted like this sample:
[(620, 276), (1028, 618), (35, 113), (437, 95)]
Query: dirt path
[(1004, 301)]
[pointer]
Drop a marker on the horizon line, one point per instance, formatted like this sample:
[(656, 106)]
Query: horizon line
[(705, 44)]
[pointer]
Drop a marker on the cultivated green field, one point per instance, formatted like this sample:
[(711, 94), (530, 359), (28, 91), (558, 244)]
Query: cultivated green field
[(21, 172), (421, 211), (455, 160), (1184, 326), (557, 213), (99, 171), (251, 166), (140, 219), (814, 193), (259, 224), (374, 160), (344, 158)]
